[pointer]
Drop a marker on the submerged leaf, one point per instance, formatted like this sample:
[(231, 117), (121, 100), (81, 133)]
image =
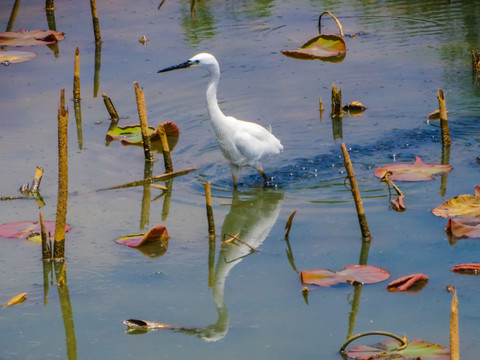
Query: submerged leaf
[(28, 38), (410, 283), (388, 349), (11, 57), (26, 229), (152, 244), (16, 300), (325, 47), (467, 269), (462, 205), (364, 274), (418, 171)]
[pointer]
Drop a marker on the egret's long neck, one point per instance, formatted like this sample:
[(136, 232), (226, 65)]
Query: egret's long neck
[(212, 103)]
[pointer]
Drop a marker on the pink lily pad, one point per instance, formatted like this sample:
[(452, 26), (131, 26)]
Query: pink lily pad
[(364, 274), (418, 171), (326, 47), (25, 229), (464, 228), (467, 269), (12, 57), (28, 38), (154, 243)]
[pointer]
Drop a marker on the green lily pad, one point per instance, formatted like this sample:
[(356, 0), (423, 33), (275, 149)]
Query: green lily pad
[(325, 47), (388, 349)]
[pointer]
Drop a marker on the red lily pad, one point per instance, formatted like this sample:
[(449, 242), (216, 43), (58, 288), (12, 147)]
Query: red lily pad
[(388, 349), (26, 229), (409, 284), (8, 57), (329, 47), (364, 274), (467, 269), (462, 205), (154, 243), (418, 171), (28, 38), (132, 135)]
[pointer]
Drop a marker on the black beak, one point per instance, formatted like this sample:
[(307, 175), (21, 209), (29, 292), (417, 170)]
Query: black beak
[(184, 65)]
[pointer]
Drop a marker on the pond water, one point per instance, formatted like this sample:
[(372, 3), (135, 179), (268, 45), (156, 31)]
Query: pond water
[(401, 53)]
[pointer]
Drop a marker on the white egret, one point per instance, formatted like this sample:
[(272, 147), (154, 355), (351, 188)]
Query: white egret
[(242, 143)]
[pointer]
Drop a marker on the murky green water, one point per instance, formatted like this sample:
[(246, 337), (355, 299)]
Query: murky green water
[(403, 52)]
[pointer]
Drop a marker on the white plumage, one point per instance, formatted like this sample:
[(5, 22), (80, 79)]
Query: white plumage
[(243, 143)]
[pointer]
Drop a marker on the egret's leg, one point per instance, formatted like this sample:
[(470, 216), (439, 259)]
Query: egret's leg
[(263, 174), (234, 169)]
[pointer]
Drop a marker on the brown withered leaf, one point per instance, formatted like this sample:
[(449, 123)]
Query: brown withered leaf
[(467, 269)]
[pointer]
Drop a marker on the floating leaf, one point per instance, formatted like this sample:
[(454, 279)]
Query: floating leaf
[(132, 135), (324, 47), (418, 171), (355, 108), (409, 284), (464, 228), (364, 274), (467, 269), (28, 38), (388, 349), (434, 115), (152, 244), (132, 323), (26, 229), (462, 205), (16, 300), (8, 57)]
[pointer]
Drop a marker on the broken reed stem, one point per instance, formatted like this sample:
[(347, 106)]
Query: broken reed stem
[(61, 218), (96, 25), (49, 5), (76, 76), (320, 105), (37, 179), (110, 108), (475, 61), (443, 118), (336, 102), (142, 114), (165, 148), (13, 16), (362, 219), (211, 222), (454, 336)]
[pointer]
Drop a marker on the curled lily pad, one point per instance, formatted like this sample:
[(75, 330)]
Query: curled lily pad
[(409, 284), (27, 229), (132, 135), (354, 108), (364, 274), (464, 228), (8, 57), (16, 300), (153, 244), (467, 269), (418, 171), (28, 38), (461, 205), (324, 47)]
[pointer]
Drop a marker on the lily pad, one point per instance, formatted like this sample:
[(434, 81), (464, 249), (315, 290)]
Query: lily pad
[(364, 274), (132, 135), (464, 228), (16, 300), (27, 229), (28, 38), (153, 244), (409, 284), (461, 205), (324, 47), (8, 57), (418, 171), (354, 108), (388, 349)]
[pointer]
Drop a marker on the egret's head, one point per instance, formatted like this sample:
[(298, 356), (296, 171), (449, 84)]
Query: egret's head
[(203, 60)]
